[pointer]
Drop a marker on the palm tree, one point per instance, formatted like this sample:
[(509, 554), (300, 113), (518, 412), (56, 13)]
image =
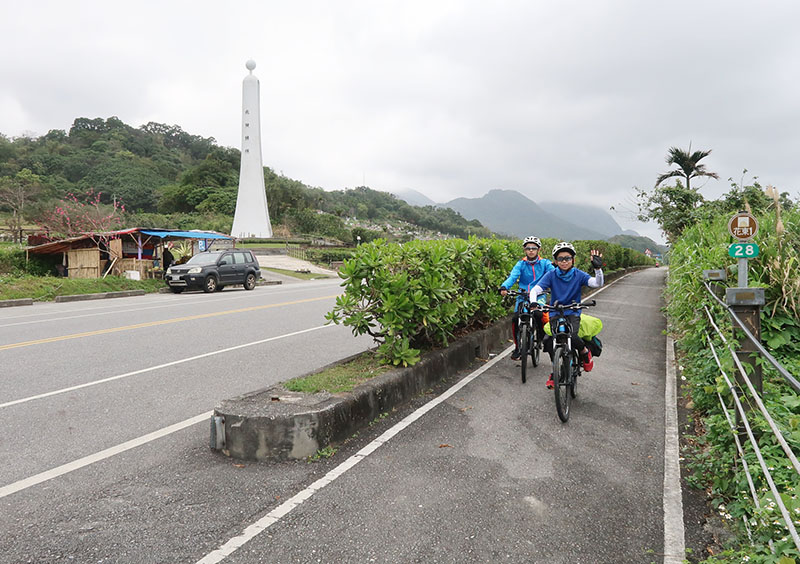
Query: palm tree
[(688, 164)]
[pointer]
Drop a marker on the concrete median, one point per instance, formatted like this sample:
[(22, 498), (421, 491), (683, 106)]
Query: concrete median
[(276, 424)]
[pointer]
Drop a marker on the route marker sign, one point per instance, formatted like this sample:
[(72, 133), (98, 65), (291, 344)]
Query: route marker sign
[(743, 250), (743, 226)]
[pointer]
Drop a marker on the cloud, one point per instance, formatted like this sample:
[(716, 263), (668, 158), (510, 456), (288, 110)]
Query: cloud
[(578, 100)]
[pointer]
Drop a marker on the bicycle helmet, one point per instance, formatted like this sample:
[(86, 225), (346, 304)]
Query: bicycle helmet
[(532, 239), (563, 246)]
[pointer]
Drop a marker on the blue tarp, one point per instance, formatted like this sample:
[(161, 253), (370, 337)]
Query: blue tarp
[(187, 234)]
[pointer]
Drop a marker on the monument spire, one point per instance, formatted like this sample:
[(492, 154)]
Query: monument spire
[(251, 218)]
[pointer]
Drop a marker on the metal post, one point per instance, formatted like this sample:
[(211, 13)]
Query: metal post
[(742, 264), (746, 304)]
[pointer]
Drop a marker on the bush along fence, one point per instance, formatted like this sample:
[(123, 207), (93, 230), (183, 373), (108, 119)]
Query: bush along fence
[(421, 294), (746, 404)]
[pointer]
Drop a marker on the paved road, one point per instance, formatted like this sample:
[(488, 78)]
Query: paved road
[(487, 475)]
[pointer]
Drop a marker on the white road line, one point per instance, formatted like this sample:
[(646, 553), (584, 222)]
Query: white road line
[(290, 504), (115, 309), (159, 367), (102, 455), (674, 544)]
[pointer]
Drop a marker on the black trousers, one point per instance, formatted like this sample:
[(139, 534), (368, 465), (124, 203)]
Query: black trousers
[(577, 343), (537, 322)]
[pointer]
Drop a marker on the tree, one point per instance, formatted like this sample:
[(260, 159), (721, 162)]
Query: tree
[(86, 214), (688, 165), (672, 207), (15, 194)]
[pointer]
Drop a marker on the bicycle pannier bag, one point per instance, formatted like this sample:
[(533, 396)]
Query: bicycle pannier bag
[(594, 345)]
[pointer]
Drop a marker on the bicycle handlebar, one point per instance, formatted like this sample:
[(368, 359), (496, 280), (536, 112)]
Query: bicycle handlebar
[(573, 306)]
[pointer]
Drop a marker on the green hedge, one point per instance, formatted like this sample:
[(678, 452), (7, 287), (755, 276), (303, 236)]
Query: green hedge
[(325, 256), (420, 294)]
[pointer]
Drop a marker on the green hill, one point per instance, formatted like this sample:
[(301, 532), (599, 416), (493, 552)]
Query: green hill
[(166, 177)]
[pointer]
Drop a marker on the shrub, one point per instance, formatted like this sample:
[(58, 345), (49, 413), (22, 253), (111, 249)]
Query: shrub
[(12, 261), (421, 294)]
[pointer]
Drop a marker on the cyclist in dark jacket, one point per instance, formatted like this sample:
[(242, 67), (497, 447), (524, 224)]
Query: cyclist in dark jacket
[(565, 285), (526, 273)]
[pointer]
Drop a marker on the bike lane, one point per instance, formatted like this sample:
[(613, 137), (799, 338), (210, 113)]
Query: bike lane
[(492, 475)]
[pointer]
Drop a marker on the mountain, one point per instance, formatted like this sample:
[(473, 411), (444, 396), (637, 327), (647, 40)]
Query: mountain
[(511, 213), (414, 198), (592, 217), (638, 243)]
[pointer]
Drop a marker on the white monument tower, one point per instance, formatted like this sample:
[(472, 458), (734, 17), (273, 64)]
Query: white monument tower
[(252, 215)]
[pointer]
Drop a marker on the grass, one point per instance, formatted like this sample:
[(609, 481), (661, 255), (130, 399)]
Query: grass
[(340, 378), (295, 274), (46, 288)]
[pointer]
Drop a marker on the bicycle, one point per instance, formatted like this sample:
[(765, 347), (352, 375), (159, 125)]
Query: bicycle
[(567, 364), (527, 336)]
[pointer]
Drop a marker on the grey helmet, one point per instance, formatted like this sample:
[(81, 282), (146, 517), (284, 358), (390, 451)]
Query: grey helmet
[(563, 246)]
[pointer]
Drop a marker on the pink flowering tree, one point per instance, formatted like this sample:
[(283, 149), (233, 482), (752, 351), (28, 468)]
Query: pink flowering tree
[(82, 214)]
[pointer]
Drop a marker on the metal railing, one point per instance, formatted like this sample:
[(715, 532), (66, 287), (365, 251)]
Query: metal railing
[(738, 395)]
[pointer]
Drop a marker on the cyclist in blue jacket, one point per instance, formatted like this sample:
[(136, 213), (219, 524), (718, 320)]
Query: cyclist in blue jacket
[(564, 284), (525, 273)]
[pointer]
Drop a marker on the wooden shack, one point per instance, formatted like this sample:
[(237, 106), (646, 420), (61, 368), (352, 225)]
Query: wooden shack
[(135, 252)]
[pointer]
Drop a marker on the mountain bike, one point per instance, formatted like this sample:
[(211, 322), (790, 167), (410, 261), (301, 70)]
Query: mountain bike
[(527, 336), (567, 364)]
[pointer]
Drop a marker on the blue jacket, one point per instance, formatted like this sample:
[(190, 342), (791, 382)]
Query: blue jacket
[(564, 292), (527, 275)]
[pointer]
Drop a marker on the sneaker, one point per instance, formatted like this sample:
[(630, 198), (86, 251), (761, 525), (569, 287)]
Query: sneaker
[(515, 355), (550, 384), (588, 364)]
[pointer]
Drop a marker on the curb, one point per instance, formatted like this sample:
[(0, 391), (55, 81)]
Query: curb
[(19, 302), (276, 424), (99, 296)]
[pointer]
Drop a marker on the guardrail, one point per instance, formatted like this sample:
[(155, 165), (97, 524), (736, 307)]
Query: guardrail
[(742, 412)]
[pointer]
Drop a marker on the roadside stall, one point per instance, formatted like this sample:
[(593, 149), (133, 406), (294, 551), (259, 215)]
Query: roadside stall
[(136, 253)]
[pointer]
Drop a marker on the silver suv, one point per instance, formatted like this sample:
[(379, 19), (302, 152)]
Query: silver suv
[(213, 270)]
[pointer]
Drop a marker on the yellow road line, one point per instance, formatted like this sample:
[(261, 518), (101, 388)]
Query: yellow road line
[(156, 323)]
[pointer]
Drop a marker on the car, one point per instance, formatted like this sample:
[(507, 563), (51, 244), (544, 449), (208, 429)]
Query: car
[(213, 270)]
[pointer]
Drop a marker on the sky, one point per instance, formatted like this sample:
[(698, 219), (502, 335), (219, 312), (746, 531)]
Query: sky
[(570, 100)]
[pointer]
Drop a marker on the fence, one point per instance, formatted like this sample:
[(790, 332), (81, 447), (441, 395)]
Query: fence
[(296, 252), (744, 406)]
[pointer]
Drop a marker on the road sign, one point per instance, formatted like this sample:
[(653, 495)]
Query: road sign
[(743, 226), (743, 250)]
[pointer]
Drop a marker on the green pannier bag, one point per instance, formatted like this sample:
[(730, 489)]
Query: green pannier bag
[(590, 327)]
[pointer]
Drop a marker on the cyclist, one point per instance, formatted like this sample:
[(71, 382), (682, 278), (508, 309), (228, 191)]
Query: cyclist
[(525, 273), (564, 284)]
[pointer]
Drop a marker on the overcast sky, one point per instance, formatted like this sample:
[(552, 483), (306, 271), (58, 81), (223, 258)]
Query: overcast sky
[(569, 100)]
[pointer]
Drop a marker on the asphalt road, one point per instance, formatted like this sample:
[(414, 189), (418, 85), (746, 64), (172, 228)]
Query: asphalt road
[(489, 474)]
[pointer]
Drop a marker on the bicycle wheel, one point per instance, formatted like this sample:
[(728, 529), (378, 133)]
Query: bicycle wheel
[(561, 375), (522, 341), (573, 388), (536, 347)]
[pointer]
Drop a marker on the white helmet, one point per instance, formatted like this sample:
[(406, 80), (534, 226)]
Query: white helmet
[(563, 246), (532, 239)]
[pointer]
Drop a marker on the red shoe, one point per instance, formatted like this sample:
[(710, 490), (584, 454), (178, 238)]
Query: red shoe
[(550, 384), (588, 363)]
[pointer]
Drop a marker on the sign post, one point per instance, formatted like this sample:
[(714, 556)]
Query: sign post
[(743, 226), (746, 302)]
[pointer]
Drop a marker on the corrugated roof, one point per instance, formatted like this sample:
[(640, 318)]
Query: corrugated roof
[(195, 234), (64, 245)]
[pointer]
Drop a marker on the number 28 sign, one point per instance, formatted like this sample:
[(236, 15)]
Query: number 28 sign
[(743, 250)]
